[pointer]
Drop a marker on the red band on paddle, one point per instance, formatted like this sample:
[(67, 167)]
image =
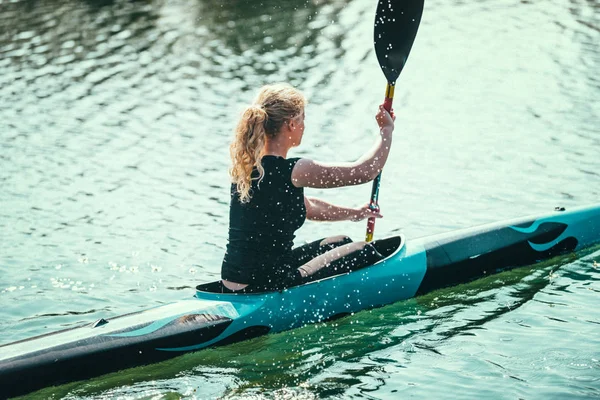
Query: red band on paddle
[(370, 225)]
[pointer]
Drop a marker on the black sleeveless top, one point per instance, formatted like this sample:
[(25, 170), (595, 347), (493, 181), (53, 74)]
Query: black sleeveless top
[(262, 230)]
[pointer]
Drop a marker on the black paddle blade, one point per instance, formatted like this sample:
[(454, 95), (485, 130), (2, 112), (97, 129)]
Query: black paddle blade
[(396, 24)]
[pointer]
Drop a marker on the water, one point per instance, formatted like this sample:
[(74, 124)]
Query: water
[(115, 119)]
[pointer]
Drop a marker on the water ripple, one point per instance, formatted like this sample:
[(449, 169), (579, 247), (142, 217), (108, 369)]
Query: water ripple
[(115, 121)]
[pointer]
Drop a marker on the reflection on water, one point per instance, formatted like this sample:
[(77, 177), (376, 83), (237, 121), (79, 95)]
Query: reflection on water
[(115, 117)]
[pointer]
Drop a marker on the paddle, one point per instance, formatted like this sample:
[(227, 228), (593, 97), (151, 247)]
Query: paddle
[(396, 24)]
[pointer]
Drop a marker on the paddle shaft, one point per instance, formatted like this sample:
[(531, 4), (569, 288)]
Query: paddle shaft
[(374, 202)]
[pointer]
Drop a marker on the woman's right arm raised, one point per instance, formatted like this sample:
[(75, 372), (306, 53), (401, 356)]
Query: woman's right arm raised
[(315, 174)]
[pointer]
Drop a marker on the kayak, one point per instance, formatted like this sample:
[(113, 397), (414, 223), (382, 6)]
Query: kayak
[(210, 318)]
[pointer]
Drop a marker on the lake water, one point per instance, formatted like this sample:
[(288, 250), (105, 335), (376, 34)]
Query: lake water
[(115, 120)]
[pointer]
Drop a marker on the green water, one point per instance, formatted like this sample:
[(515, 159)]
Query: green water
[(115, 117)]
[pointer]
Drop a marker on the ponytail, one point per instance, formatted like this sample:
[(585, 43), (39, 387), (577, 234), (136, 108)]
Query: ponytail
[(274, 106), (247, 148)]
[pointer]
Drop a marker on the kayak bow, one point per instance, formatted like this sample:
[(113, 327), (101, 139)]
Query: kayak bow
[(410, 268)]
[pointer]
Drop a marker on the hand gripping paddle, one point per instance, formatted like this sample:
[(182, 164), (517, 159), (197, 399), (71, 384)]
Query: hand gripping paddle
[(396, 24)]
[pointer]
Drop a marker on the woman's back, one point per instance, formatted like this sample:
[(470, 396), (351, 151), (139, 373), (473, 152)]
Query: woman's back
[(262, 229)]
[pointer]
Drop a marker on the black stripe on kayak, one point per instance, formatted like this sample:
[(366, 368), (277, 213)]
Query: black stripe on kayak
[(463, 258), (102, 354)]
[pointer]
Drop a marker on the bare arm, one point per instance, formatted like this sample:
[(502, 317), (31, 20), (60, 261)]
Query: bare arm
[(320, 210), (309, 173)]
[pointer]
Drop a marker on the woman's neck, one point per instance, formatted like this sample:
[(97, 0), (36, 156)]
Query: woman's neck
[(275, 148)]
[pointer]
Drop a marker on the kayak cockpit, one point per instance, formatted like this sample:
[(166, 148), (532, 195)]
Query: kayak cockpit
[(386, 247)]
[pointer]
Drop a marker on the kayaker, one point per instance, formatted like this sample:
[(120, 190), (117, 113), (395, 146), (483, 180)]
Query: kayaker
[(268, 203)]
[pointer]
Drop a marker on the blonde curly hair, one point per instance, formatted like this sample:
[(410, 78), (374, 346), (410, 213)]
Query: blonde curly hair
[(274, 106)]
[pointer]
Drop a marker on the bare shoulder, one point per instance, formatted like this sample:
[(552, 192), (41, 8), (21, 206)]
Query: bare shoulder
[(304, 172)]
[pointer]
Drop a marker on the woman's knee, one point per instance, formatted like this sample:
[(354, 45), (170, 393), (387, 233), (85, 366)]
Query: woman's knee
[(358, 246), (335, 241), (368, 253), (362, 252)]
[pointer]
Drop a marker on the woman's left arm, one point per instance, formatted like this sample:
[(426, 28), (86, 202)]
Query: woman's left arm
[(320, 210)]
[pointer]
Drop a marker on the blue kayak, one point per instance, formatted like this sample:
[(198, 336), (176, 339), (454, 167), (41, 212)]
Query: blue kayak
[(210, 318)]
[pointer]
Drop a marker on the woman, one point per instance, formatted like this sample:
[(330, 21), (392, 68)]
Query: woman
[(268, 203)]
